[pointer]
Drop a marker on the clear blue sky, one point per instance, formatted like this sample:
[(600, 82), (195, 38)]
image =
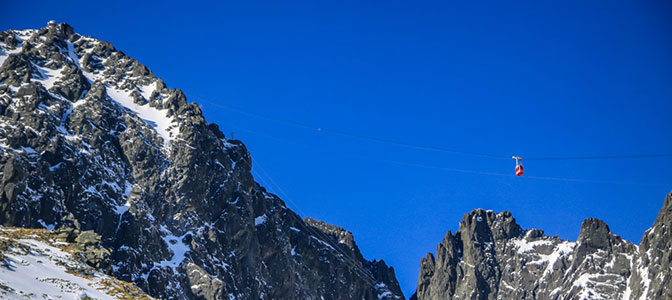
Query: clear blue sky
[(529, 78)]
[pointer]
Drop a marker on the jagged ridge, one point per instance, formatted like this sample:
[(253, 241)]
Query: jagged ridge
[(492, 257)]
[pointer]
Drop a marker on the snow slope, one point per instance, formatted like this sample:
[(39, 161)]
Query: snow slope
[(37, 268)]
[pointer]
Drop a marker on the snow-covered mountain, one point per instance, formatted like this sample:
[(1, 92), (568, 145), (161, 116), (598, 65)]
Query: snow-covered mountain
[(90, 139), (492, 257)]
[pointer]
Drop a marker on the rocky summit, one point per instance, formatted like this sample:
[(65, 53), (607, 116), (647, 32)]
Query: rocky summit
[(492, 257), (92, 141)]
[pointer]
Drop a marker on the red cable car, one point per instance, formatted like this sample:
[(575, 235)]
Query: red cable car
[(519, 165)]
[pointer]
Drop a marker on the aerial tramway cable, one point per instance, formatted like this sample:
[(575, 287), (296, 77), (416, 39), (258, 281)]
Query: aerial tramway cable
[(352, 135), (518, 169), (449, 169), (426, 147)]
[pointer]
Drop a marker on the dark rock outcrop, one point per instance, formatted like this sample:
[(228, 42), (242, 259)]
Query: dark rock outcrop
[(384, 275)]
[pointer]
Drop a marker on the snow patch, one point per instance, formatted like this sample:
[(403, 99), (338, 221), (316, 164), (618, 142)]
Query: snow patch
[(122, 209), (127, 189), (43, 271), (178, 248), (526, 246), (259, 220), (560, 250), (49, 76), (155, 117), (146, 91), (646, 281), (50, 226)]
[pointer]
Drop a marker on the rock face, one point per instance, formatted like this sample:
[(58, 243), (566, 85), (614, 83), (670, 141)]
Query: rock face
[(491, 257), (652, 268), (384, 275), (90, 139)]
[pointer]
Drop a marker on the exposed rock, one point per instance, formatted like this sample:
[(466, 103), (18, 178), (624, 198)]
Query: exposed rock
[(652, 267), (66, 234), (384, 275), (88, 238), (491, 257)]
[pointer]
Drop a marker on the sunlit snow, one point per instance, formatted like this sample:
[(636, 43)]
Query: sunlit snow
[(42, 272), (259, 220), (155, 117)]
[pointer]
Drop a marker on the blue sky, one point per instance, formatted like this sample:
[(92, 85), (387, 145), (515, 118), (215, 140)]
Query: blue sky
[(531, 78)]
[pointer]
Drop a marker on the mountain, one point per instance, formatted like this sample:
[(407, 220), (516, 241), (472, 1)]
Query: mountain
[(492, 257), (117, 188), (92, 141)]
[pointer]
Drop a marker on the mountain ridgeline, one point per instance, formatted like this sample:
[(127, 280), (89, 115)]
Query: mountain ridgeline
[(90, 139), (93, 144), (492, 257)]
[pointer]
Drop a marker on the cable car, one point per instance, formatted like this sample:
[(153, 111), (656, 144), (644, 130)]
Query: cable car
[(519, 165)]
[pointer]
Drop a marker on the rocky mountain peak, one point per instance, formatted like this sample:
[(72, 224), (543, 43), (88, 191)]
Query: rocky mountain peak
[(485, 226), (476, 224), (58, 31), (665, 214), (651, 267), (339, 234), (595, 234), (345, 241), (91, 139)]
